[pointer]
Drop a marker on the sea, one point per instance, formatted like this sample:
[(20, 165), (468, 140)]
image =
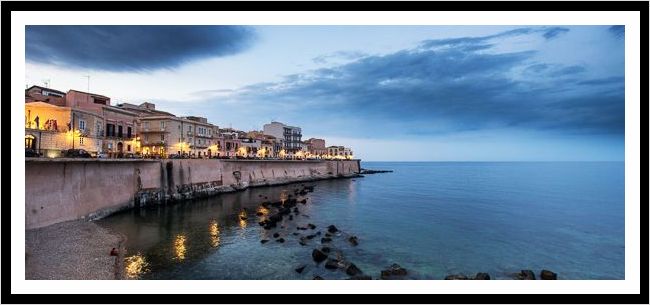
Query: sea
[(432, 218)]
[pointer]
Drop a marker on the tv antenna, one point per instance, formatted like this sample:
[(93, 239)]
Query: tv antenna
[(46, 83)]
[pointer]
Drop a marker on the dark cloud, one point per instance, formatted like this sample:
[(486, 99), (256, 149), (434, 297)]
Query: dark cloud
[(554, 32), (445, 86), (618, 30), (132, 48)]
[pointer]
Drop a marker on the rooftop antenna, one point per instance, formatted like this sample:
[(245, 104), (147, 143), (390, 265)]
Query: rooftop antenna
[(46, 83)]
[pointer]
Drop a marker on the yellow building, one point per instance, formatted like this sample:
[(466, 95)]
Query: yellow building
[(50, 129)]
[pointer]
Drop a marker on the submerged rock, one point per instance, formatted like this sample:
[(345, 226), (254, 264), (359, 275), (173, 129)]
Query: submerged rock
[(352, 270), (482, 276), (276, 235), (311, 226), (264, 241), (318, 255), (332, 229), (456, 277), (360, 277), (300, 269), (280, 240), (393, 271), (325, 249), (548, 275), (353, 240), (526, 275), (332, 264), (325, 240)]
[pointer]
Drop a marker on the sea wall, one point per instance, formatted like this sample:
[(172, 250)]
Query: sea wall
[(58, 190)]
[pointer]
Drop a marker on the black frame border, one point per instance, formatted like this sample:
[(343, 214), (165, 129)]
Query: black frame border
[(9, 6)]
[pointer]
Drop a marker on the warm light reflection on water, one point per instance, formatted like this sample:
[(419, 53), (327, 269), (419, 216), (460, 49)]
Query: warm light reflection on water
[(263, 210), (179, 247), (242, 224), (214, 234), (135, 266)]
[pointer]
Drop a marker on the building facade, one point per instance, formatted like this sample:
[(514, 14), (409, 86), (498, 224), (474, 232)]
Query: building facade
[(316, 148), (291, 136)]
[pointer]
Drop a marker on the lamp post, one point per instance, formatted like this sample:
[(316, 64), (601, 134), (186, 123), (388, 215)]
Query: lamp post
[(72, 125)]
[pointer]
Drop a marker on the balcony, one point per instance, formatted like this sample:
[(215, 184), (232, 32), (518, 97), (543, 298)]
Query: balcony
[(154, 129)]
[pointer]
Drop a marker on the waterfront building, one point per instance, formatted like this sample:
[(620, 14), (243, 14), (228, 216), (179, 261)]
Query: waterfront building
[(229, 142), (316, 148), (119, 124), (93, 122), (168, 134), (50, 129), (46, 95), (339, 152), (291, 136)]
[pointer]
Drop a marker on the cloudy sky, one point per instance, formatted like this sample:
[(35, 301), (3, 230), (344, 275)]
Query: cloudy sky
[(466, 93)]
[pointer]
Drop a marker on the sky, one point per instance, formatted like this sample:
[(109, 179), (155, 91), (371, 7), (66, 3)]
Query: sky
[(391, 93)]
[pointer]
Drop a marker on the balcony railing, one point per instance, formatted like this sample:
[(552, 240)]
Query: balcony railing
[(154, 129)]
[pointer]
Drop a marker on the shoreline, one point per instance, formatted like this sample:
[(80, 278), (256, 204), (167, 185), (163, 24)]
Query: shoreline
[(73, 250)]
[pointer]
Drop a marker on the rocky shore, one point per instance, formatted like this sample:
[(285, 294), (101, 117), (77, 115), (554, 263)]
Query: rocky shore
[(73, 250)]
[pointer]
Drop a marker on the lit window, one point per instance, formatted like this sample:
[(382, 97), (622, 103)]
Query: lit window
[(82, 125), (81, 140)]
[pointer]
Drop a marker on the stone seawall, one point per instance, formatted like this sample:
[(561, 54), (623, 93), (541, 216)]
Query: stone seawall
[(58, 190)]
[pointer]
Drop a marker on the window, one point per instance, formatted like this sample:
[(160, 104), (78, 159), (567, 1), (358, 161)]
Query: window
[(162, 138), (146, 124), (146, 138), (98, 129), (110, 145), (128, 132), (189, 128), (82, 125), (128, 147), (162, 124), (110, 130), (81, 140), (119, 131)]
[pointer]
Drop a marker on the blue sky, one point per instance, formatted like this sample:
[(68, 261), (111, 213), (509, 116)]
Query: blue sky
[(431, 93)]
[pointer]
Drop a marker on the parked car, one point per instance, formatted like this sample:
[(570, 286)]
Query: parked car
[(31, 153), (76, 153), (174, 156), (102, 155)]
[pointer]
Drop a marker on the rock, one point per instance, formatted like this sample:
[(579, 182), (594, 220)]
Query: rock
[(302, 243), (295, 233), (332, 264), (326, 249), (318, 255), (300, 269), (325, 240), (394, 270), (360, 277), (259, 214), (301, 228), (304, 201), (262, 223), (526, 275), (332, 229), (280, 240), (482, 276), (290, 217), (264, 241), (548, 275), (318, 278), (456, 277), (328, 234), (353, 240), (318, 233), (310, 236), (311, 226), (353, 270), (276, 235)]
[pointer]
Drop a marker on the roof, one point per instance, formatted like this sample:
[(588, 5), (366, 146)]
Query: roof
[(93, 94), (48, 89)]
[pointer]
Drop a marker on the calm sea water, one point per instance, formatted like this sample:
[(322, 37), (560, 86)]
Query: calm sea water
[(433, 218)]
